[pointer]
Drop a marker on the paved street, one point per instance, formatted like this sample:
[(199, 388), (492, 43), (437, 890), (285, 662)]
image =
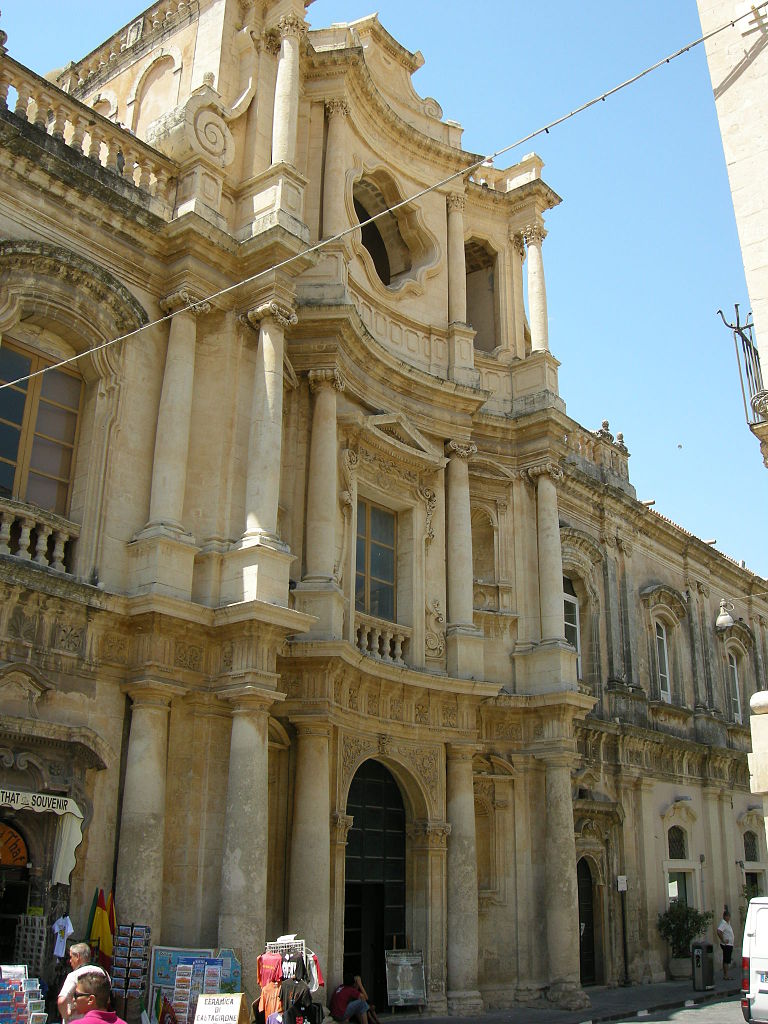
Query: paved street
[(721, 1011)]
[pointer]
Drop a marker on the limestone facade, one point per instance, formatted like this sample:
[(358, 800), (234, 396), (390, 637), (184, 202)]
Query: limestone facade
[(314, 599), (738, 68)]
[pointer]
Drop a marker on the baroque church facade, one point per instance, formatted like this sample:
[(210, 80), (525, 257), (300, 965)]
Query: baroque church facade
[(319, 613)]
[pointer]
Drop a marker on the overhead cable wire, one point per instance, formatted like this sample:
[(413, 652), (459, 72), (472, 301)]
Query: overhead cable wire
[(461, 173)]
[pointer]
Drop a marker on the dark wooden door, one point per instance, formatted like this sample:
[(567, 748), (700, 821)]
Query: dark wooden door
[(374, 912), (586, 923)]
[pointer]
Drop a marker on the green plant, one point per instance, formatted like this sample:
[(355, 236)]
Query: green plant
[(680, 925)]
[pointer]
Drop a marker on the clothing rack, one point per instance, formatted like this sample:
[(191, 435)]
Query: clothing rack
[(294, 946)]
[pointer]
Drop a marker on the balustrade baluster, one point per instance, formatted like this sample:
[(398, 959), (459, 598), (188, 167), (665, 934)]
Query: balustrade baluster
[(398, 658), (59, 121), (5, 83), (59, 540), (6, 521), (41, 547), (386, 637), (26, 528)]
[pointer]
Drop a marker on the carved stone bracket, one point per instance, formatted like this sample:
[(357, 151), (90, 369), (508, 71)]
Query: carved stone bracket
[(349, 464), (429, 498), (434, 638)]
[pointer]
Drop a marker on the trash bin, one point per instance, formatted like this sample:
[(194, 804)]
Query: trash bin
[(703, 966)]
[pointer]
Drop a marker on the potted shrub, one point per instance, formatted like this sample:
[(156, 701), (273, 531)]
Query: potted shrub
[(680, 925)]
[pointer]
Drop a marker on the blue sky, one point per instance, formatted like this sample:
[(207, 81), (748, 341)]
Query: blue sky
[(643, 249)]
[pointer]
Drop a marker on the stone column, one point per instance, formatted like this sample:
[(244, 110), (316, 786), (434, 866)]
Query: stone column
[(517, 258), (286, 112), (243, 901), (139, 889), (462, 946), (561, 907), (322, 496), (428, 845), (262, 486), (550, 551), (335, 217), (458, 532), (169, 468), (309, 889), (457, 271), (537, 291)]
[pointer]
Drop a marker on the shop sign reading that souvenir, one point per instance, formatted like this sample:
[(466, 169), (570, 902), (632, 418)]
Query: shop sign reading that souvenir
[(41, 802)]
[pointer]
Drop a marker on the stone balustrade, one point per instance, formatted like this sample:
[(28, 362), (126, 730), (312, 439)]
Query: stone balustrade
[(40, 103), (29, 533), (386, 641), (600, 448)]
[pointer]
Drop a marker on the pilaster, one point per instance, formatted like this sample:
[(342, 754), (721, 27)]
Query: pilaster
[(464, 641)]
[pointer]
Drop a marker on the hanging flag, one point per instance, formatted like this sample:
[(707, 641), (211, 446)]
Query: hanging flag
[(144, 1015), (92, 913), (167, 1015), (112, 916), (100, 932), (157, 1008)]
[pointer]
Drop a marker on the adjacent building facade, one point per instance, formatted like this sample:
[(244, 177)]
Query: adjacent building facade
[(319, 613), (738, 67)]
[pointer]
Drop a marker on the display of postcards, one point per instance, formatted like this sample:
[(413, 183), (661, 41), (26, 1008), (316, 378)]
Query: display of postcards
[(124, 929), (118, 972), (137, 961), (142, 929), (122, 949), (38, 1018), (36, 1004), (135, 973)]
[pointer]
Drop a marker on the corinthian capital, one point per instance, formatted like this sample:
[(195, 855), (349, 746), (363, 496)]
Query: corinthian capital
[(325, 378), (336, 108), (291, 25), (271, 42), (283, 315), (517, 238), (534, 233), (461, 449), (456, 201), (550, 469)]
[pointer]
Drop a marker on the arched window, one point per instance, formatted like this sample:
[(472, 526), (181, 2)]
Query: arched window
[(382, 238), (676, 843), (571, 621), (38, 428), (734, 699), (750, 846), (662, 663)]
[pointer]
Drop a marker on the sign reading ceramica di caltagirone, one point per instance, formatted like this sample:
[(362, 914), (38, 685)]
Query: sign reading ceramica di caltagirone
[(39, 801), (227, 1008)]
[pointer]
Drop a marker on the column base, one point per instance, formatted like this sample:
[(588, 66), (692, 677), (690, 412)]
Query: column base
[(465, 1002), (545, 667), (534, 384), (273, 198), (464, 652), (162, 561), (256, 570), (324, 599), (568, 996)]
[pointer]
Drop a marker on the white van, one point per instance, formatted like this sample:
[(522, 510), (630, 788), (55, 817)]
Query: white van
[(754, 962)]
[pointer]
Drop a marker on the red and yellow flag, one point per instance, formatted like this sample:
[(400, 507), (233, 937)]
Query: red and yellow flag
[(100, 931)]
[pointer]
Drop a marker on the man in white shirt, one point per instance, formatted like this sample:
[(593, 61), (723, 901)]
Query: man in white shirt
[(80, 961), (725, 935)]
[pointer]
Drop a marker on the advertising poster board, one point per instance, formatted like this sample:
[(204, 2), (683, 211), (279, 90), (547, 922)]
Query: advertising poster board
[(164, 963), (405, 977)]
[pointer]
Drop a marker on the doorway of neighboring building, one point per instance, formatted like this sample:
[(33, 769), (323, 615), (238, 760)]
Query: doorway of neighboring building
[(586, 924), (14, 887), (374, 892)]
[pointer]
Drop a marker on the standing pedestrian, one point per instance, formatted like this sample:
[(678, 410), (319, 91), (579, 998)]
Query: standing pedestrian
[(80, 961), (92, 997), (725, 935)]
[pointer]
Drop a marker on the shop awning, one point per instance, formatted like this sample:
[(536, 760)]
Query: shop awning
[(69, 831)]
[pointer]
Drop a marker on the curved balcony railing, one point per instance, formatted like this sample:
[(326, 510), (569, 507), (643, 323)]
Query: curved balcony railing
[(388, 642), (34, 535)]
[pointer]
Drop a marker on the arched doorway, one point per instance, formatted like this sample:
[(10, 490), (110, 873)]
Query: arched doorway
[(374, 892), (586, 924), (14, 886)]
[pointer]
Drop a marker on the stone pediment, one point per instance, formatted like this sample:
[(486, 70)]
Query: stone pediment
[(21, 688), (393, 435)]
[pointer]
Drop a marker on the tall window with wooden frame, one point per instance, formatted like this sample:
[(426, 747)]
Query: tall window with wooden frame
[(734, 698), (38, 429), (376, 561), (571, 623), (662, 663)]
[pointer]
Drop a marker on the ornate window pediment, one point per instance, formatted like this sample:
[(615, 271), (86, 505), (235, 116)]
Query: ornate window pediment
[(392, 437), (21, 688), (660, 597), (679, 813)]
